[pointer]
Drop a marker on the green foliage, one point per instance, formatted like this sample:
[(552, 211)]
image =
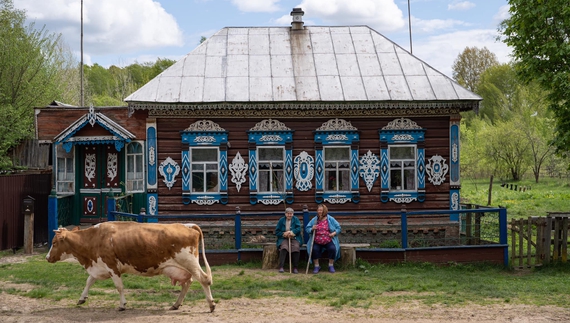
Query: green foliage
[(537, 32), (470, 64)]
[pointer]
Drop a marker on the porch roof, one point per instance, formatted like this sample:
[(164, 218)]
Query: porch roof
[(314, 64)]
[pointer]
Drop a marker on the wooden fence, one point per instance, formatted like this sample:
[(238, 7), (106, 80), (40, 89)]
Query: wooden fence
[(539, 240)]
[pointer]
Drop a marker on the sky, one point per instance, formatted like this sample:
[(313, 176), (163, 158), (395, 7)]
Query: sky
[(122, 32)]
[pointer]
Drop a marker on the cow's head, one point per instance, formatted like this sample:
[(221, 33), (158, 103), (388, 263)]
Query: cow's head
[(59, 247)]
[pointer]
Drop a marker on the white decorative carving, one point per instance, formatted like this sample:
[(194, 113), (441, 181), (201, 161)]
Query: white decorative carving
[(403, 198), (205, 139), (112, 166), (169, 169), (152, 205), (336, 124), (92, 116), (270, 138), (337, 137), (151, 156), (405, 137), (455, 201), (436, 168), (275, 201), (337, 199), (90, 164), (455, 153), (205, 200), (270, 125), (369, 169), (304, 171), (205, 126), (401, 124), (238, 168)]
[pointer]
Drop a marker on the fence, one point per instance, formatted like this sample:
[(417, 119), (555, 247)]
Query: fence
[(434, 235), (539, 240), (13, 190)]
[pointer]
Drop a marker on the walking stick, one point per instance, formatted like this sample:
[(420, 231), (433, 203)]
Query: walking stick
[(290, 255), (310, 252)]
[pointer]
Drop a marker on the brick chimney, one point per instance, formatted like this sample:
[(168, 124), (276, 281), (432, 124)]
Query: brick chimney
[(297, 22)]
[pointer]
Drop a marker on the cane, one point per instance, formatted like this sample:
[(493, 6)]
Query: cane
[(310, 252), (290, 255)]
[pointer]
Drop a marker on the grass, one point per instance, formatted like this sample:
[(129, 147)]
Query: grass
[(549, 195), (362, 286)]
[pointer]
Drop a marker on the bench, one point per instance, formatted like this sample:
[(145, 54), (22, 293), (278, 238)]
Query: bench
[(271, 256)]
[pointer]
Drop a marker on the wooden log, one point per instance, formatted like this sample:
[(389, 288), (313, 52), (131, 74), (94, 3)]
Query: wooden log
[(348, 253), (270, 257)]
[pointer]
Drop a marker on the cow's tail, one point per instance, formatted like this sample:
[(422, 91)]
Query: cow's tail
[(208, 269)]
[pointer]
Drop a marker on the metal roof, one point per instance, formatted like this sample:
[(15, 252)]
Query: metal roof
[(315, 64)]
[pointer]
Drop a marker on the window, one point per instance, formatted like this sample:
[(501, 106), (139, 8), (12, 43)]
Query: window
[(402, 168), (205, 164), (402, 164), (336, 162), (271, 170), (270, 163), (65, 170), (204, 169), (337, 168), (135, 168)]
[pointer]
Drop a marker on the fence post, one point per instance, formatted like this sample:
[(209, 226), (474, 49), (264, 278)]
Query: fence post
[(305, 222), (111, 207), (503, 237), (52, 215), (404, 225), (237, 223), (141, 216)]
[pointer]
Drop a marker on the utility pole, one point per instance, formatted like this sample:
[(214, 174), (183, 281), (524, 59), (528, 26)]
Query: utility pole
[(410, 26), (81, 102)]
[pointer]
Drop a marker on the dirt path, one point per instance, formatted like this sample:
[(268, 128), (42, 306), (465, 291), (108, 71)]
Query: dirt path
[(22, 309)]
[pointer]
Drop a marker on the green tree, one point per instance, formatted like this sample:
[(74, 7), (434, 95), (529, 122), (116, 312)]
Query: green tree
[(33, 64), (470, 64), (498, 86), (537, 31)]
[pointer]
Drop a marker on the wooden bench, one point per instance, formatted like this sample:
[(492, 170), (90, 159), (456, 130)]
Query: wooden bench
[(271, 256)]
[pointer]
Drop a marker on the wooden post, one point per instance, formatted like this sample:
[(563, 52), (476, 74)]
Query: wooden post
[(490, 191), (270, 256), (28, 225)]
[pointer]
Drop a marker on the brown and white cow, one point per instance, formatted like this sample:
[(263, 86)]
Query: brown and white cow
[(110, 249)]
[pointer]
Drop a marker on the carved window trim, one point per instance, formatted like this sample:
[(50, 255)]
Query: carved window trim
[(402, 132), (206, 134), (65, 180), (141, 155), (336, 133), (270, 133)]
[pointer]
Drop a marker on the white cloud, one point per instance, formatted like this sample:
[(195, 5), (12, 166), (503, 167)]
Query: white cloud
[(463, 5), (502, 14), (428, 26), (441, 51), (382, 15), (110, 26), (257, 5)]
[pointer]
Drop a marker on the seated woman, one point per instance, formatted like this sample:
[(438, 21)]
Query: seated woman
[(288, 232), (325, 230)]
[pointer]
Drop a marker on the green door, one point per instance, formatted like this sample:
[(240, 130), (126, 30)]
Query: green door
[(100, 174)]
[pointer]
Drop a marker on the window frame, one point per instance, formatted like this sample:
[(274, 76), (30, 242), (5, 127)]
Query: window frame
[(270, 133), (336, 133), (402, 132), (70, 159), (141, 154), (206, 134)]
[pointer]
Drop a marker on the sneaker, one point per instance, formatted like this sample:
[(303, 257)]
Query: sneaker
[(281, 270), (316, 270), (331, 269), (295, 271)]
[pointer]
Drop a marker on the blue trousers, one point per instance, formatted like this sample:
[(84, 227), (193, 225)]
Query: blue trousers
[(319, 248)]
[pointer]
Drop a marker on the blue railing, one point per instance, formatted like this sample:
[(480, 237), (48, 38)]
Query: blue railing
[(493, 231)]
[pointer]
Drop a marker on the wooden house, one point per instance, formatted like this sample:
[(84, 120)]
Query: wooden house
[(262, 118)]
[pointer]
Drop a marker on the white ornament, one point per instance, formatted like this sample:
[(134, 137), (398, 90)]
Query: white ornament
[(238, 168), (304, 171), (436, 170), (369, 169), (169, 169)]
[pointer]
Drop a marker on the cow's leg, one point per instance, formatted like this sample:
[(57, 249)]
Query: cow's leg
[(119, 285), (90, 281), (185, 287), (208, 292), (193, 266)]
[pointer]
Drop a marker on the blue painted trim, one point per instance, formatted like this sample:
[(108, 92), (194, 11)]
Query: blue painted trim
[(152, 174), (454, 153), (52, 217)]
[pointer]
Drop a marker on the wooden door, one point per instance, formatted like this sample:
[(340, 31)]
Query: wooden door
[(100, 175)]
